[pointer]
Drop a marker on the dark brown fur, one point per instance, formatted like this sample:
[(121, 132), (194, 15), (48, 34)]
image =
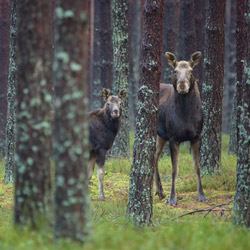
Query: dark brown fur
[(104, 124), (180, 119)]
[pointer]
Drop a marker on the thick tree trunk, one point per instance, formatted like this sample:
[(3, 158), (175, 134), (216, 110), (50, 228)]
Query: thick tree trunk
[(242, 194), (140, 203), (213, 86), (121, 72), (70, 140), (240, 57), (11, 98), (33, 180), (170, 36), (4, 66), (103, 52)]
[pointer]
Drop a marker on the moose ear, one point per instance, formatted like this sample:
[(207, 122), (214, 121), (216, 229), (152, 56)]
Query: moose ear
[(171, 59), (195, 59), (105, 94), (122, 94)]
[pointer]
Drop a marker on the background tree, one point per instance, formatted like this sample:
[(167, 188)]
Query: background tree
[(11, 98), (240, 57), (121, 72), (32, 183), (103, 52), (70, 141), (170, 36), (4, 66), (242, 194), (134, 32), (140, 201), (212, 88), (229, 69)]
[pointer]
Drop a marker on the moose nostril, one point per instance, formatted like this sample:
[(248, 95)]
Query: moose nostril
[(115, 111)]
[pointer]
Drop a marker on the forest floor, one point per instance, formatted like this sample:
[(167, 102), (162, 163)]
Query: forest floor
[(188, 225)]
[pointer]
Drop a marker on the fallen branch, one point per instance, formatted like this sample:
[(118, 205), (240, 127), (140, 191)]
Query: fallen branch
[(202, 210)]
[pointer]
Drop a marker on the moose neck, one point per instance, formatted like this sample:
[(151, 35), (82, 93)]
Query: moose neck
[(111, 123)]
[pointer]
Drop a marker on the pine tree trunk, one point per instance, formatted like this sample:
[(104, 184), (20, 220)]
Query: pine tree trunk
[(229, 77), (120, 72), (70, 141), (240, 57), (134, 57), (242, 194), (140, 203), (103, 52), (33, 125), (213, 86), (170, 35), (4, 66), (11, 98)]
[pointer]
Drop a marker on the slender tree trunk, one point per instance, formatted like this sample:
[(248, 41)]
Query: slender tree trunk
[(240, 57), (170, 36), (103, 52), (213, 87), (140, 203), (70, 140), (242, 194), (121, 72), (134, 57), (200, 18), (11, 97), (4, 66), (229, 69), (33, 180)]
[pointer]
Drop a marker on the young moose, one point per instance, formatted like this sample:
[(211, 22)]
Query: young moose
[(180, 119), (103, 127)]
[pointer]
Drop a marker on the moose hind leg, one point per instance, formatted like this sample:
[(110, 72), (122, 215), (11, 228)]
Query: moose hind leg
[(195, 148), (100, 172), (160, 144), (174, 150), (91, 165)]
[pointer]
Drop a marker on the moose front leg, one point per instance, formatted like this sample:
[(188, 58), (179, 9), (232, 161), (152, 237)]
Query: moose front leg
[(100, 172), (195, 148), (160, 144), (174, 151)]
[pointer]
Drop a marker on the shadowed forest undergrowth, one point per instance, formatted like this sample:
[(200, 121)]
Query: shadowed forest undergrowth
[(206, 229)]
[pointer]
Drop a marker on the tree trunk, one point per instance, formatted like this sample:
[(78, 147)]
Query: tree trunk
[(170, 35), (70, 140), (120, 72), (134, 57), (242, 194), (213, 86), (103, 52), (140, 203), (4, 66), (229, 69), (11, 98), (33, 180), (240, 57)]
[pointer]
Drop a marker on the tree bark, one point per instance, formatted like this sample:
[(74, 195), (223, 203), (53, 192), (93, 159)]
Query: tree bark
[(70, 141), (140, 203), (240, 57), (242, 194), (11, 98), (103, 53), (121, 72), (213, 86), (33, 180), (170, 36), (4, 66)]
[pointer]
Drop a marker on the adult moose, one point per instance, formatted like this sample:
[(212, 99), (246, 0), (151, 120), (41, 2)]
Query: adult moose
[(104, 124), (180, 119)]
